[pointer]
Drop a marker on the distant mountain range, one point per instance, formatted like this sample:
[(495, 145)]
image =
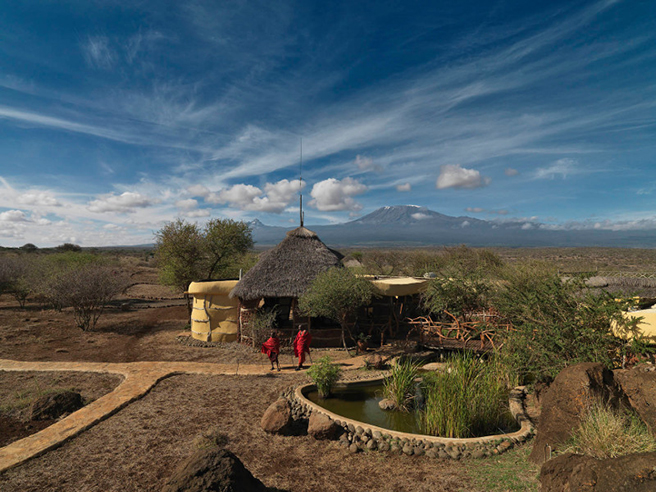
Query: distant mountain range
[(413, 226)]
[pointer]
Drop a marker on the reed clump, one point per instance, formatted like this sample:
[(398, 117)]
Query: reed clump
[(400, 386), (469, 398)]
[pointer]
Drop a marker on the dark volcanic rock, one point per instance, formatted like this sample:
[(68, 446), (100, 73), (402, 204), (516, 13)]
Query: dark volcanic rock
[(565, 401), (213, 469), (55, 405), (639, 385), (574, 472)]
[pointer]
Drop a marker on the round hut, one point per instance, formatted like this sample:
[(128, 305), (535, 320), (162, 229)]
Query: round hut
[(282, 275)]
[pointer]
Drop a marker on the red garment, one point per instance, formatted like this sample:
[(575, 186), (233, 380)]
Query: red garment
[(302, 345), (271, 348)]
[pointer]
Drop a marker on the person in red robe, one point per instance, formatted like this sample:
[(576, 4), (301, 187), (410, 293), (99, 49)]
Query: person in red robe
[(301, 346), (272, 348)]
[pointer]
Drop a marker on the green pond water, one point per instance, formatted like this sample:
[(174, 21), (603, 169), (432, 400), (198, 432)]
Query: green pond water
[(361, 403)]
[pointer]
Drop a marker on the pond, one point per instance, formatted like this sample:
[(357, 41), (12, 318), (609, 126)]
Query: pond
[(359, 401)]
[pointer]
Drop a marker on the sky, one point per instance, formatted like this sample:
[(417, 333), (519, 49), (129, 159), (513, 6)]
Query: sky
[(119, 116)]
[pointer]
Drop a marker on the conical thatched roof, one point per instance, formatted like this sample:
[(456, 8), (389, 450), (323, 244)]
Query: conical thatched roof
[(288, 269)]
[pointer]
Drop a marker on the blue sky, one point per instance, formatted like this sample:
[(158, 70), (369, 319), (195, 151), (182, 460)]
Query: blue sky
[(118, 116)]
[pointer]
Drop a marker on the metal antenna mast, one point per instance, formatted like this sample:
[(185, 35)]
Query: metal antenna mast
[(300, 184)]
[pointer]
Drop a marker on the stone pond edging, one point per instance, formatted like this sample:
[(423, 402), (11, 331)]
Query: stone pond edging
[(358, 436)]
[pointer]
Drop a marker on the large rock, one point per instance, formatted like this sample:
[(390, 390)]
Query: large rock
[(55, 405), (570, 394), (639, 386), (213, 469), (322, 427), (575, 472), (277, 419)]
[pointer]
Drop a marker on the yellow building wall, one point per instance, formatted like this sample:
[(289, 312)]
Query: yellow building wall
[(215, 316)]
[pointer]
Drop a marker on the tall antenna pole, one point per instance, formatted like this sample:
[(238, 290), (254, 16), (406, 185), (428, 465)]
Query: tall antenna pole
[(300, 183)]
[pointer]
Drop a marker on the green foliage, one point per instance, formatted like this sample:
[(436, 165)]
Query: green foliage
[(606, 432), (185, 253), (556, 322), (261, 325), (399, 384), (69, 247), (458, 295), (469, 398), (324, 374)]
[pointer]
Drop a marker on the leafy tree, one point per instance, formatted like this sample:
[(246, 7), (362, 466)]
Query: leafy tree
[(14, 272), (336, 294), (185, 253), (225, 240), (29, 248), (69, 247)]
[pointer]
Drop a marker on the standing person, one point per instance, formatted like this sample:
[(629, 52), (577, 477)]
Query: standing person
[(272, 348), (302, 345)]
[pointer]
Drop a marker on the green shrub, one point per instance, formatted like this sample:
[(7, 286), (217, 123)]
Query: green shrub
[(606, 432), (399, 385), (556, 322), (261, 325), (469, 398), (457, 295), (324, 374)]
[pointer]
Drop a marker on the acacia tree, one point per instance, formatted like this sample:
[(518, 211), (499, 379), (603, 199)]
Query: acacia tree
[(336, 294), (186, 253)]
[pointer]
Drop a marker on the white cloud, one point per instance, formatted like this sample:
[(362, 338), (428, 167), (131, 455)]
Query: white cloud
[(198, 190), (475, 210), (511, 172), (37, 198), (454, 176), (420, 216), (465, 223), (201, 212), (527, 226), (13, 216), (273, 199), (188, 204), (561, 167), (404, 187), (332, 195), (126, 202)]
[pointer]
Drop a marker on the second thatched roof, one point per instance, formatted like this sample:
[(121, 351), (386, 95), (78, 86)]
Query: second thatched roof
[(288, 269)]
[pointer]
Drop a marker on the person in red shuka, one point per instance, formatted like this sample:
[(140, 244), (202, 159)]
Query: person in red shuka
[(272, 348), (301, 346)]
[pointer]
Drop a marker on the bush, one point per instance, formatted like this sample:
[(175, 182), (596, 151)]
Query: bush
[(14, 277), (556, 322), (606, 432), (324, 374), (458, 295), (469, 399), (399, 386), (261, 325)]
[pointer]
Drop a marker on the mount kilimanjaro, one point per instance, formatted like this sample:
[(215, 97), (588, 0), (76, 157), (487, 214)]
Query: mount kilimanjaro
[(413, 226)]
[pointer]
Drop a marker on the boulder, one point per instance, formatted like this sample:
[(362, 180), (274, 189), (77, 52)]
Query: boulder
[(387, 404), (213, 469), (639, 386), (277, 419), (635, 472), (322, 427), (570, 394), (55, 405)]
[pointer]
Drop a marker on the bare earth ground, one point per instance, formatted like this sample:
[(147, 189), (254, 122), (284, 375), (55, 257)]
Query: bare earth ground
[(138, 448), (19, 389)]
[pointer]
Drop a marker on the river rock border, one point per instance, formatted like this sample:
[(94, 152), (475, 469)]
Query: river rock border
[(359, 436)]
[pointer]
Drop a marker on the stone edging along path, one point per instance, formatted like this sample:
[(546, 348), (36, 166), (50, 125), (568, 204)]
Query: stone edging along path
[(140, 378), (360, 435)]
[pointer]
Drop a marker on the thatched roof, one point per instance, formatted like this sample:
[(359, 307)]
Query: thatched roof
[(288, 269)]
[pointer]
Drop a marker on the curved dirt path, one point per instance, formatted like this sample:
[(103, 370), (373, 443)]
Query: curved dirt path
[(140, 378)]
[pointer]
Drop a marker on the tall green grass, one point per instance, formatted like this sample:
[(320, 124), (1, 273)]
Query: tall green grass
[(399, 386), (469, 398)]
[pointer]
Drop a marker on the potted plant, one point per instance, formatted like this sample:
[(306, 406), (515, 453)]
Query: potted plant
[(363, 342)]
